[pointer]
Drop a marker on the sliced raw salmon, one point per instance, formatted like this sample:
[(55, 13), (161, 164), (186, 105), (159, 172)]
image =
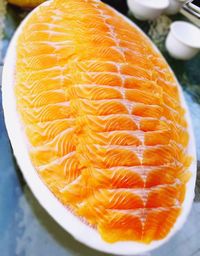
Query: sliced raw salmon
[(104, 122), (43, 132)]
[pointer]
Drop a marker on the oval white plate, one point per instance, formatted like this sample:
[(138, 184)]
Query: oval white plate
[(59, 213)]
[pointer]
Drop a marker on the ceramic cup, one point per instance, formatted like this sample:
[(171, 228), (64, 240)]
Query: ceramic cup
[(174, 6), (183, 40), (147, 9)]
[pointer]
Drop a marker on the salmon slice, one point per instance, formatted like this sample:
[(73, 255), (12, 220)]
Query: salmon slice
[(131, 70), (39, 100), (45, 61), (30, 85), (165, 136), (163, 154), (156, 225), (144, 110), (98, 78), (158, 222), (100, 107), (165, 196), (169, 101), (169, 174), (45, 48), (92, 92), (107, 123), (133, 82), (93, 66), (158, 137), (153, 124), (177, 133), (95, 206), (123, 225), (143, 97), (43, 132), (102, 54), (123, 138), (67, 166), (103, 119), (60, 146), (169, 88), (35, 36), (104, 157), (46, 113), (121, 177)]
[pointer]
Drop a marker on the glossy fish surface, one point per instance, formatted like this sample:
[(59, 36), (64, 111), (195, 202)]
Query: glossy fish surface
[(104, 122)]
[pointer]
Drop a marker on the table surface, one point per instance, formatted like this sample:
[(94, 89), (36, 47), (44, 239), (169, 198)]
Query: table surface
[(26, 229)]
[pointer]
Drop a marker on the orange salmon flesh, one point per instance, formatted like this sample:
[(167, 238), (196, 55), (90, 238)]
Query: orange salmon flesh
[(103, 118)]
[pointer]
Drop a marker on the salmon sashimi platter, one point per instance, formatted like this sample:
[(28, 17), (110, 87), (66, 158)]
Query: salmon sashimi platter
[(99, 126)]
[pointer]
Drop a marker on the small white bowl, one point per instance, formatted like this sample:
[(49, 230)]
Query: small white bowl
[(174, 6), (183, 40), (147, 9)]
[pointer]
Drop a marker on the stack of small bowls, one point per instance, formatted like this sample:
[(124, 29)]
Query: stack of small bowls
[(183, 40)]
